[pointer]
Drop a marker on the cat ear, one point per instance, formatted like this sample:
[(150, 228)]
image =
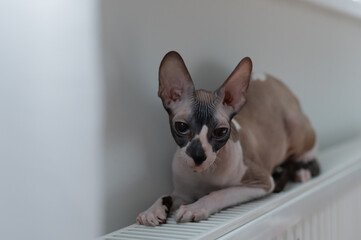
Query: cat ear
[(233, 90), (175, 82)]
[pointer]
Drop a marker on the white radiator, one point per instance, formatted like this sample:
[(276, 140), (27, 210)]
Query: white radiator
[(327, 207)]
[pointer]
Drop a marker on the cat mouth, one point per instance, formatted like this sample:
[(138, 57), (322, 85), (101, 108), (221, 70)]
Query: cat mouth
[(210, 167)]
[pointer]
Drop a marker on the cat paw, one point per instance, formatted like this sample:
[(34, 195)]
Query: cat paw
[(303, 175), (154, 216), (191, 213)]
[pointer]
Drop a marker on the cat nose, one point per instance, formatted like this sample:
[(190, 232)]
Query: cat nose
[(198, 159), (196, 152)]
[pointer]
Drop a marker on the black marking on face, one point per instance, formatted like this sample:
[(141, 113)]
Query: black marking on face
[(204, 110), (195, 151), (181, 140), (203, 104), (218, 143), (169, 110)]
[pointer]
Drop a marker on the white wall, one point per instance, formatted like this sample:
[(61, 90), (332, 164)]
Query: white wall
[(50, 121), (83, 150), (315, 51)]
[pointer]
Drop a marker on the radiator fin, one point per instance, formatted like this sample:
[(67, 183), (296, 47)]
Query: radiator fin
[(338, 219)]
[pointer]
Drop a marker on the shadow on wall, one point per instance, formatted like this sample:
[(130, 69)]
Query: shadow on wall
[(138, 145), (131, 133)]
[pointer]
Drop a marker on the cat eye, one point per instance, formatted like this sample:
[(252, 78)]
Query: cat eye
[(182, 128), (219, 133)]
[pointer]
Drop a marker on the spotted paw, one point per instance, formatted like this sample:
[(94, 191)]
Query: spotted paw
[(191, 213), (154, 216)]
